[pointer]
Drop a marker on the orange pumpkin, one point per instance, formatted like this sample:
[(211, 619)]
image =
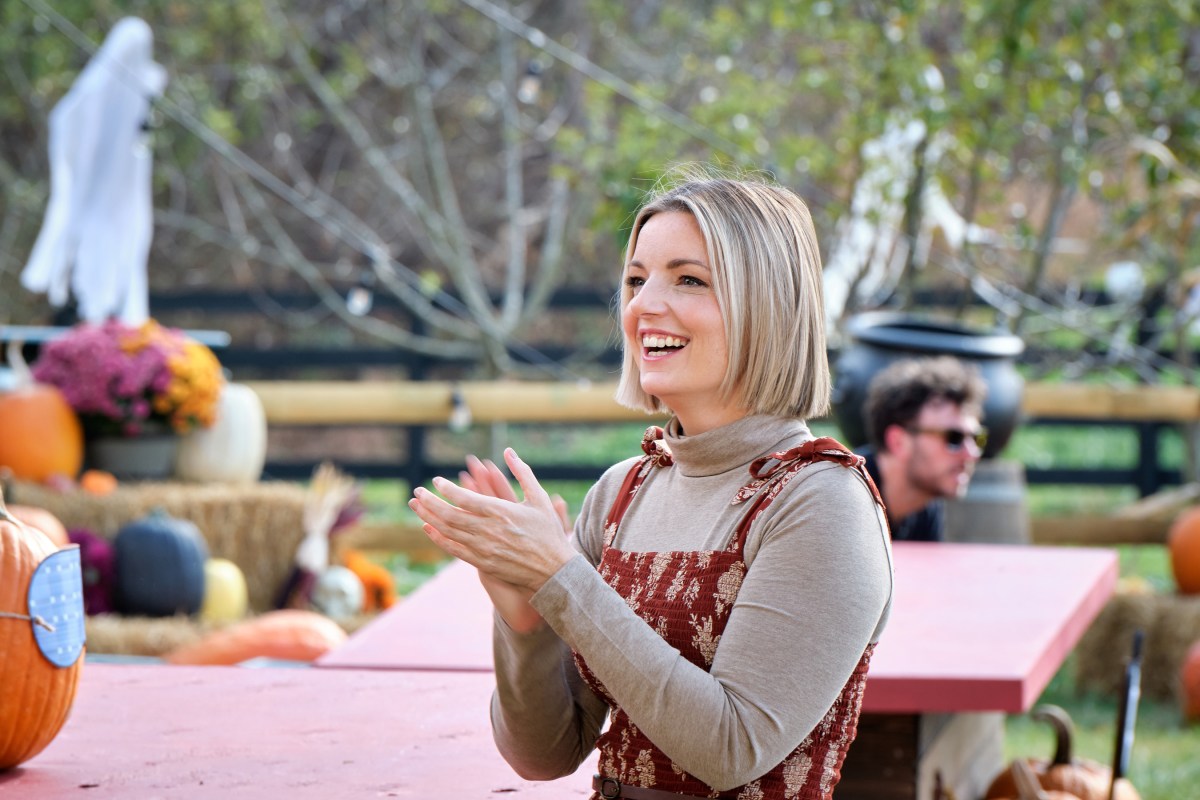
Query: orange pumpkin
[(38, 694), (1189, 682), (40, 434), (1183, 545), (98, 482), (290, 634), (44, 521), (1076, 777)]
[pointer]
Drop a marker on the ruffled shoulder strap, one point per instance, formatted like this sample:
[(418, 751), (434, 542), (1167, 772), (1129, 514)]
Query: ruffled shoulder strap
[(770, 473)]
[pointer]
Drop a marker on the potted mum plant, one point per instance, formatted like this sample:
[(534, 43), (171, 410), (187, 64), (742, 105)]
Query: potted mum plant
[(136, 389)]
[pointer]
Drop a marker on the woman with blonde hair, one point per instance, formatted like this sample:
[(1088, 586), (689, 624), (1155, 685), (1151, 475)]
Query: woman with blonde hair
[(721, 595)]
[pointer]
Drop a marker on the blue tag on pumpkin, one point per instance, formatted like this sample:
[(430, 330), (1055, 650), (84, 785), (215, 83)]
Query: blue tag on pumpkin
[(56, 606)]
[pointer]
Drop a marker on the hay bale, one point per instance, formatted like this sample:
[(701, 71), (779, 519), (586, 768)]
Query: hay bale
[(113, 634), (256, 526), (1176, 627), (1103, 649), (1170, 623)]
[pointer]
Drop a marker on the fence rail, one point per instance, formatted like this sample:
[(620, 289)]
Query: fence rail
[(419, 405), (431, 402)]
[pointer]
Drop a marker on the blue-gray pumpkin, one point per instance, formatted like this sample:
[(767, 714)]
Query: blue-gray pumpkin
[(160, 566)]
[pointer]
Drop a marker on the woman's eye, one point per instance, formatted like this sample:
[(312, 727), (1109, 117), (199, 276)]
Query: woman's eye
[(689, 280), (633, 281)]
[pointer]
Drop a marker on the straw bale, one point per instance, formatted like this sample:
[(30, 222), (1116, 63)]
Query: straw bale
[(141, 636), (1170, 623), (256, 526), (113, 634), (1176, 627)]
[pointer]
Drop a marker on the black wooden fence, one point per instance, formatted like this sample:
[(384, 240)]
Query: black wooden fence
[(183, 308)]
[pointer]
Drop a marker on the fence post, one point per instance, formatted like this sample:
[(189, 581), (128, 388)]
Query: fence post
[(1147, 469)]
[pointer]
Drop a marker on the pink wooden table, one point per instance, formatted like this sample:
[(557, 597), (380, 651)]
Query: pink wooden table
[(976, 632), (974, 627), (150, 731)]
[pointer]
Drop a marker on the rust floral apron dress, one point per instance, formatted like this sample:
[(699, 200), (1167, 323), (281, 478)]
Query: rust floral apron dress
[(686, 596)]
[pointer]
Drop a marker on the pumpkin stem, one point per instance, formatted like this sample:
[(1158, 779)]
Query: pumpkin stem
[(1060, 720), (5, 515), (16, 362)]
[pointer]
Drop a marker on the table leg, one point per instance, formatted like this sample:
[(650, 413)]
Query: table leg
[(912, 756)]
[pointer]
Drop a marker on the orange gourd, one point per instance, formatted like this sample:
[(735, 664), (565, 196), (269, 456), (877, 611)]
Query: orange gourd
[(36, 695), (289, 634), (378, 584), (1077, 777), (1183, 545), (44, 521), (1189, 683), (40, 434)]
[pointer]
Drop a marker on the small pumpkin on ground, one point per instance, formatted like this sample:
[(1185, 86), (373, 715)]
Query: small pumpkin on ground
[(1183, 547), (160, 566), (289, 634), (1189, 683), (37, 694), (1077, 777)]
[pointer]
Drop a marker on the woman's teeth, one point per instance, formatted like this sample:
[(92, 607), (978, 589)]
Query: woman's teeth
[(661, 342)]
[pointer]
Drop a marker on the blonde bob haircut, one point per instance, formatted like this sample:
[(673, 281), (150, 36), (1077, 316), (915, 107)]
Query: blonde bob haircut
[(766, 266)]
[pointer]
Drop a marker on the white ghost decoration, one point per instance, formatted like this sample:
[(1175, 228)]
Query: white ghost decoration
[(95, 238)]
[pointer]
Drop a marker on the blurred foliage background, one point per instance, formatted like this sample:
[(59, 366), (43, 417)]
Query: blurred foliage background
[(470, 157)]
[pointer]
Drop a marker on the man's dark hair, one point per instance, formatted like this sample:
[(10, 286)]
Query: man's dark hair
[(896, 394)]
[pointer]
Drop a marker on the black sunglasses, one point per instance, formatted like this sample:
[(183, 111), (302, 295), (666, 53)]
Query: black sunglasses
[(955, 438)]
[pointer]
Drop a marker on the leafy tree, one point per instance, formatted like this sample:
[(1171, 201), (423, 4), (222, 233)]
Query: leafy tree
[(403, 146)]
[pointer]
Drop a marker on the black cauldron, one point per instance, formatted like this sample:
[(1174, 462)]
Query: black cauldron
[(876, 339)]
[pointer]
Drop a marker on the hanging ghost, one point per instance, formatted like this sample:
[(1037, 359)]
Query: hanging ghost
[(96, 234)]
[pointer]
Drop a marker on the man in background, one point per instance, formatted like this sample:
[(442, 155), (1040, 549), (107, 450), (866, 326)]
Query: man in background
[(923, 426)]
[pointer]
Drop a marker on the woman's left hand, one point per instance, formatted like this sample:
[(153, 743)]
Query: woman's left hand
[(520, 543)]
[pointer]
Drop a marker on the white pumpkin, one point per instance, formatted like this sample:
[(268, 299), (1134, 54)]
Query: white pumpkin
[(338, 593), (234, 449), (225, 594)]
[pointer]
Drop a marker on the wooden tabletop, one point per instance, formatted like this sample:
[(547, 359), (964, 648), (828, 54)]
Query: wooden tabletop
[(402, 709), (974, 627), (156, 731)]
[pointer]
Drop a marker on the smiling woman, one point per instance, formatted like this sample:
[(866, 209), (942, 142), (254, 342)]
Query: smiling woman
[(720, 597)]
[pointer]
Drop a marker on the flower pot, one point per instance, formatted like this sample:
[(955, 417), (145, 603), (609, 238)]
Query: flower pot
[(876, 339), (150, 456)]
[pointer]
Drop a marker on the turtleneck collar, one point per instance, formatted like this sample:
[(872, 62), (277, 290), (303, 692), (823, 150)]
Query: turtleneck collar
[(734, 445)]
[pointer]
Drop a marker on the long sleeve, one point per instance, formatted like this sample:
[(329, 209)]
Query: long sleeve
[(545, 720)]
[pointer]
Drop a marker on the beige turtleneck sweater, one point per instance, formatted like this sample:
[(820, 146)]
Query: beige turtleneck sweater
[(817, 591)]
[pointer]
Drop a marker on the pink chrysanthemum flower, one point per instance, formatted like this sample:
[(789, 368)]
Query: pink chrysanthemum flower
[(122, 380)]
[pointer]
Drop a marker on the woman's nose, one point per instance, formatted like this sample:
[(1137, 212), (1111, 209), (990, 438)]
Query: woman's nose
[(648, 299)]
